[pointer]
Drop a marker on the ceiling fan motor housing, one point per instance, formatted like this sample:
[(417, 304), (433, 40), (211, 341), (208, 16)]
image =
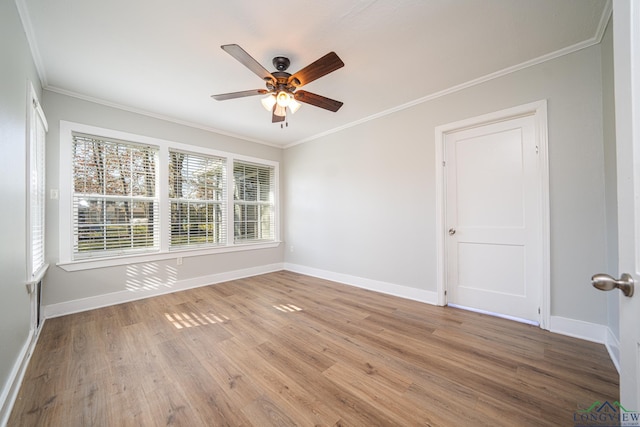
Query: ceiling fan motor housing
[(281, 82), (281, 63)]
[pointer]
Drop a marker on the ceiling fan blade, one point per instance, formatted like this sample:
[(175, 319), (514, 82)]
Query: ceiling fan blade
[(323, 66), (247, 60), (242, 94), (274, 117), (317, 100)]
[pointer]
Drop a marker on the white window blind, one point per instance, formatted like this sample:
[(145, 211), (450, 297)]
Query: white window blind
[(115, 203), (36, 183), (127, 197), (253, 202), (197, 198)]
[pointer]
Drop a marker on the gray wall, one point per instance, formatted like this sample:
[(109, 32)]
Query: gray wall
[(17, 70), (63, 286), (362, 201)]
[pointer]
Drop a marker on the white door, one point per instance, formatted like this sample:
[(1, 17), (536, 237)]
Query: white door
[(493, 218), (626, 35)]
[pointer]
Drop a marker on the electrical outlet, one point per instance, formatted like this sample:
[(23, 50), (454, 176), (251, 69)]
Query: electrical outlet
[(54, 194), (291, 248), (179, 261)]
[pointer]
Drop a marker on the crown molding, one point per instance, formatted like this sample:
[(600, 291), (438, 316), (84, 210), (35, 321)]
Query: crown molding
[(155, 115), (23, 12), (596, 39)]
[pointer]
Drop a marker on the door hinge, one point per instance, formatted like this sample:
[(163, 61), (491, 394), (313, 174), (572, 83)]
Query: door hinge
[(538, 310), (444, 163), (445, 293), (537, 150)]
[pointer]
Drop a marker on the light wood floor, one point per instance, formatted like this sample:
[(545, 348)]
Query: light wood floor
[(285, 349)]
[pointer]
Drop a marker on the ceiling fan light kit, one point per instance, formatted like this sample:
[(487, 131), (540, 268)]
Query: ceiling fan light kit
[(283, 98), (268, 102), (282, 86), (294, 105), (280, 111)]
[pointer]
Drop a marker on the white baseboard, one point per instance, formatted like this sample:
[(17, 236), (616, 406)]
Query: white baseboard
[(421, 295), (98, 301), (12, 386), (578, 329), (590, 332), (613, 347)]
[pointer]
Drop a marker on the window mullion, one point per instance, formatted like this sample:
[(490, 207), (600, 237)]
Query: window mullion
[(129, 192), (230, 203), (162, 183)]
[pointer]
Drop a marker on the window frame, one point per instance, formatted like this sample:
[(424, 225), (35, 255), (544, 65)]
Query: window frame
[(105, 197), (36, 191), (65, 210), (257, 204), (190, 201)]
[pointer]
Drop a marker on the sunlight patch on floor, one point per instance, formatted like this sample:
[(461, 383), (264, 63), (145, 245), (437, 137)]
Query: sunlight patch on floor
[(287, 308), (189, 320)]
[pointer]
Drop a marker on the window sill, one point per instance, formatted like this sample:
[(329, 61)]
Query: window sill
[(38, 276), (92, 263)]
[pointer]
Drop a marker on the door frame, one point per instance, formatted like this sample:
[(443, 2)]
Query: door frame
[(626, 28), (538, 110)]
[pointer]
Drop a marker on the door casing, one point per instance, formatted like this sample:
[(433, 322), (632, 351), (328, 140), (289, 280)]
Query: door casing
[(626, 52), (539, 111)]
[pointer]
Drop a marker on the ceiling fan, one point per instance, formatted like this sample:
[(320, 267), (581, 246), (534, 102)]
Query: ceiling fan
[(282, 86)]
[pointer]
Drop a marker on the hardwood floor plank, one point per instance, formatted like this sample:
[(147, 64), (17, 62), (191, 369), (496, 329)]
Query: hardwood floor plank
[(451, 404), (296, 398), (130, 408), (286, 349), (376, 393), (356, 356), (150, 369), (264, 412), (204, 395), (170, 406), (351, 407)]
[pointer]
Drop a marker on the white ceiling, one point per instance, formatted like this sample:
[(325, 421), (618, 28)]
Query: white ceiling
[(163, 57)]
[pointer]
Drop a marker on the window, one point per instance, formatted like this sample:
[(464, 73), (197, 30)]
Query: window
[(114, 196), (253, 202), (36, 189), (196, 195), (124, 195)]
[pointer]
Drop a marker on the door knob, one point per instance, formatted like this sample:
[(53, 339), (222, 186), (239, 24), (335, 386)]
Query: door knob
[(604, 282), (452, 231)]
